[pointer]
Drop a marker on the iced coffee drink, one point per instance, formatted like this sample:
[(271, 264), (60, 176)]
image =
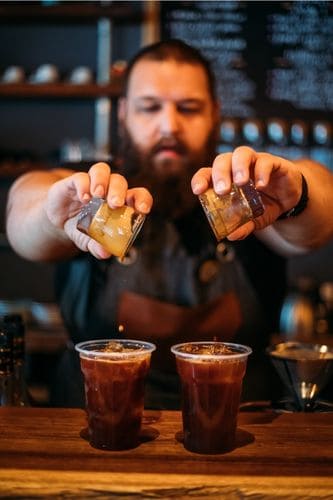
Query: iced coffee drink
[(114, 375), (211, 375)]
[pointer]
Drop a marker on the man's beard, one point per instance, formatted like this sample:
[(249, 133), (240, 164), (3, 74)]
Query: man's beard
[(170, 186)]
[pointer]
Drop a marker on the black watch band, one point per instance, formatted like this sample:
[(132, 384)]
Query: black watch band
[(301, 205)]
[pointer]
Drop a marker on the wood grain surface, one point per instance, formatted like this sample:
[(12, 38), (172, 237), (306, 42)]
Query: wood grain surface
[(44, 454)]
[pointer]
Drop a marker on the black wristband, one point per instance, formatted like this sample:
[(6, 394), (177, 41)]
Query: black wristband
[(301, 205)]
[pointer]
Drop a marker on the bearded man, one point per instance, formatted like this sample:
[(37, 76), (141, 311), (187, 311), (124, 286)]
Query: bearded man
[(177, 283)]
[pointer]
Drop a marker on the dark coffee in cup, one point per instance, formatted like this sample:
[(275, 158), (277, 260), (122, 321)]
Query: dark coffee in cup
[(114, 374), (211, 376)]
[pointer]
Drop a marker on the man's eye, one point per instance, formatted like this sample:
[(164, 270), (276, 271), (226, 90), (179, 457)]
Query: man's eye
[(189, 110), (149, 109)]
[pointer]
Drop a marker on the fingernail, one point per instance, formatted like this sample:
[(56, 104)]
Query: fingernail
[(143, 207), (198, 187), (238, 177), (116, 201), (102, 254), (220, 186), (99, 191), (86, 197)]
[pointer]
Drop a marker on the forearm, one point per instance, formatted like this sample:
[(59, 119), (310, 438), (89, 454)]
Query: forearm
[(314, 226), (29, 230), (280, 184), (43, 208)]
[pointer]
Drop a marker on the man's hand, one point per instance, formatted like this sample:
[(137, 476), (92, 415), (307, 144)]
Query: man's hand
[(67, 197), (278, 180)]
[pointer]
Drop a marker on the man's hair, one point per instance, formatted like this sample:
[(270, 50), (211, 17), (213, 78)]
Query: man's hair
[(177, 50)]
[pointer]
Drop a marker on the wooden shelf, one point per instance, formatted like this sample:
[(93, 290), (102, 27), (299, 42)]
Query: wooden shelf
[(60, 90), (68, 12), (102, 16)]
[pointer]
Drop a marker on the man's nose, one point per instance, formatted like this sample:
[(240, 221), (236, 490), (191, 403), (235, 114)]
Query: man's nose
[(169, 120)]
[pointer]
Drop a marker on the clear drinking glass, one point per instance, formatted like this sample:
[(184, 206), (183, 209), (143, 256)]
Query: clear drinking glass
[(225, 213), (114, 228)]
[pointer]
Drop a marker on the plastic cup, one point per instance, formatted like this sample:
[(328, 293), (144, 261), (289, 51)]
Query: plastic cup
[(211, 375), (114, 376)]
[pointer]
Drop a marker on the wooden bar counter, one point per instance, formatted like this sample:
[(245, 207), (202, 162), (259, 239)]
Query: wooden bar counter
[(44, 454)]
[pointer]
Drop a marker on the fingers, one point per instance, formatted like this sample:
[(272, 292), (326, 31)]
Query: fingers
[(100, 182), (99, 176), (85, 185), (233, 167), (226, 168), (140, 199), (114, 187), (201, 180), (97, 250), (265, 165), (116, 193), (277, 179), (238, 167), (83, 241), (242, 232)]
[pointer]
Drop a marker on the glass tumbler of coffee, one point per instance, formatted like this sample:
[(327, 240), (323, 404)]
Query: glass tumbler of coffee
[(114, 228), (211, 375), (114, 377), (227, 212)]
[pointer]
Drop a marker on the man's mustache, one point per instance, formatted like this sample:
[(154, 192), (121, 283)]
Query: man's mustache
[(169, 143)]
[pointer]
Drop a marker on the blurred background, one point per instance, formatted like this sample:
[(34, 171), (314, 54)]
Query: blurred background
[(61, 66)]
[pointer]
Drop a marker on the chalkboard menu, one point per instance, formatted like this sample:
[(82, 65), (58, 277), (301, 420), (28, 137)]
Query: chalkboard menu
[(273, 61)]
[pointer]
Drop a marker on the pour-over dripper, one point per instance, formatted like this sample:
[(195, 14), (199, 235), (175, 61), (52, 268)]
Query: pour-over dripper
[(304, 369)]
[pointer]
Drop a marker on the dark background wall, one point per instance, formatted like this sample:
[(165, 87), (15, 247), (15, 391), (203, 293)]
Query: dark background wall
[(274, 67), (34, 129), (246, 41)]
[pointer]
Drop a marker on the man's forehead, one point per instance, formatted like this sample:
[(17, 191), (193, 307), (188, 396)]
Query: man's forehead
[(151, 78)]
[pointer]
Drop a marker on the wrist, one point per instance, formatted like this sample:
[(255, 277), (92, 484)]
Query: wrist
[(301, 204)]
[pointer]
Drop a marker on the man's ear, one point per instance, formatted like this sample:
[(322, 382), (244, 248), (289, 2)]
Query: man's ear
[(122, 105)]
